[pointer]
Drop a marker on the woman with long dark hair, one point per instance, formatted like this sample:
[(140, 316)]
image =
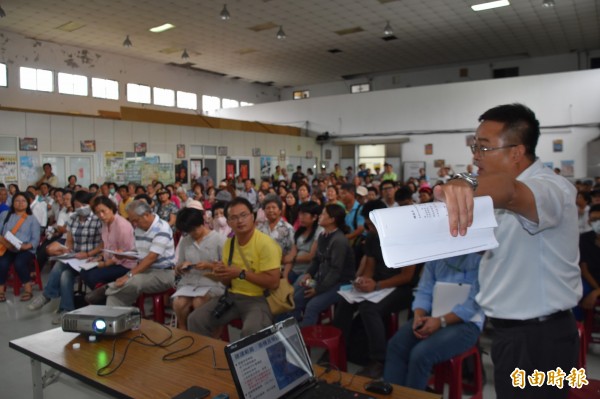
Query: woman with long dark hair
[(305, 241), (19, 222), (332, 265)]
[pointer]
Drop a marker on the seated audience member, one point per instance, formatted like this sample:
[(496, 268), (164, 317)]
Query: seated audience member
[(20, 222), (12, 190), (589, 249), (183, 197), (333, 196), (303, 193), (372, 194), (274, 226), (404, 196), (38, 208), (388, 190), (4, 202), (197, 250), (425, 195), (166, 209), (583, 210), (125, 200), (305, 239), (260, 212), (117, 235), (332, 266), (219, 221), (317, 196), (253, 268), (290, 210), (72, 182), (374, 275), (173, 193), (248, 192), (154, 244), (56, 235), (425, 341), (84, 240)]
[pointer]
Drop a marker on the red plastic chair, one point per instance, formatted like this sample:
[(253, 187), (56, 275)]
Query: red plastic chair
[(158, 304), (16, 281), (450, 372), (330, 338), (236, 323)]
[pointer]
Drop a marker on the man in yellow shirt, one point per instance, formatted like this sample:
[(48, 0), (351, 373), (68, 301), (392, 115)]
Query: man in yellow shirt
[(125, 200), (250, 264)]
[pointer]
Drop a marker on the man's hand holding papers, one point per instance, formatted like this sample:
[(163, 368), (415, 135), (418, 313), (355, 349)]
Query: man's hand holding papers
[(414, 234)]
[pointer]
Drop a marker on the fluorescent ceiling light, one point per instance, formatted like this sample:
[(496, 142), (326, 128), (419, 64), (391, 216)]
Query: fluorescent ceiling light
[(490, 5), (162, 28)]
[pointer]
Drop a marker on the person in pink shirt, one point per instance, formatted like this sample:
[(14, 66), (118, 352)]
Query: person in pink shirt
[(117, 235)]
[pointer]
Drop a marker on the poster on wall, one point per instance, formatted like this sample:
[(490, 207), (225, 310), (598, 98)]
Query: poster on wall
[(195, 170), (180, 150), (88, 145), (114, 167), (557, 145), (28, 144), (140, 147), (8, 169), (30, 169), (244, 168), (230, 169), (133, 171), (181, 171), (567, 168), (428, 149), (163, 172), (265, 167)]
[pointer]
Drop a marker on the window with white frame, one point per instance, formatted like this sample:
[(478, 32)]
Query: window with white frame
[(36, 79), (300, 94), (76, 85), (229, 103), (187, 100), (138, 93), (105, 88), (3, 75), (164, 97), (210, 104), (245, 104), (360, 88)]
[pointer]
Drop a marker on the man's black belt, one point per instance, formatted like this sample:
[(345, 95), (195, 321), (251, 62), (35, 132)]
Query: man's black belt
[(507, 323)]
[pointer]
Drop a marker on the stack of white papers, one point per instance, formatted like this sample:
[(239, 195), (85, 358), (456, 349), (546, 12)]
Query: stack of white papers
[(10, 237), (129, 254), (80, 264), (191, 291), (354, 296), (415, 234)]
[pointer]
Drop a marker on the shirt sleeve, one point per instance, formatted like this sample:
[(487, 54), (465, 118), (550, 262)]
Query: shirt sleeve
[(424, 295)]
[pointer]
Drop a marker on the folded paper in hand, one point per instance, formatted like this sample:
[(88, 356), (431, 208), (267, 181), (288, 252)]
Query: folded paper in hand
[(10, 237), (415, 234)]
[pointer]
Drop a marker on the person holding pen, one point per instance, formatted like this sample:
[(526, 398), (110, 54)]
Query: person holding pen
[(425, 340)]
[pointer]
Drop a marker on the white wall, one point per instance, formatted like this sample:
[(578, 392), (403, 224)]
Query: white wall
[(451, 74), (62, 134), (569, 98), (17, 51)]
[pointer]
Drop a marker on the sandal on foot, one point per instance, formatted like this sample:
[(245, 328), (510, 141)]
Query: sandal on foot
[(26, 296), (2, 297)]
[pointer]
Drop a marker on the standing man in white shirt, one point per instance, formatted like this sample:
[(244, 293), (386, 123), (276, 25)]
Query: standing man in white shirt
[(528, 284)]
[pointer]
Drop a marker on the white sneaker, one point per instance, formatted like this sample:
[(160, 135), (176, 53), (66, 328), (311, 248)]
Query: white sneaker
[(38, 302), (57, 320)]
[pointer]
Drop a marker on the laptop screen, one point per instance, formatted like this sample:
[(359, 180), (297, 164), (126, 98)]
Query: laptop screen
[(270, 363)]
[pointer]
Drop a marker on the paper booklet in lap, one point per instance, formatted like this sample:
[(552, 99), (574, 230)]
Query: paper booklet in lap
[(274, 363), (415, 234)]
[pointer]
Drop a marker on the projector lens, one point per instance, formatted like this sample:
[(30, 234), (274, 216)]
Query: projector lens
[(99, 326)]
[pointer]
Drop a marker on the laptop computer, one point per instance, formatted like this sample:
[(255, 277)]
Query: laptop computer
[(275, 363)]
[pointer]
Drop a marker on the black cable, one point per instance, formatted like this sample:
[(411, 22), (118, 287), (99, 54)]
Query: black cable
[(161, 344)]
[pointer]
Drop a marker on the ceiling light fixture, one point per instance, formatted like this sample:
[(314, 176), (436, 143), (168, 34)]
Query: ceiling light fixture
[(387, 31), (224, 13), (127, 42), (162, 28), (280, 33), (548, 3), (490, 5), (185, 54), (2, 13)]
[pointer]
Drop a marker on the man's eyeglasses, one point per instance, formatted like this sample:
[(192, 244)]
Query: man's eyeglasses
[(483, 149), (241, 216)]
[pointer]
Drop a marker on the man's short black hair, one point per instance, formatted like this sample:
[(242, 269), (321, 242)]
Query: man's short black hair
[(189, 219), (404, 193), (387, 181), (520, 125), (349, 187), (371, 206), (238, 201)]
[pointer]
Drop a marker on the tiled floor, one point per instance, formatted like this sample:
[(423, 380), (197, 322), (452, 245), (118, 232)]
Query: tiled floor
[(15, 376)]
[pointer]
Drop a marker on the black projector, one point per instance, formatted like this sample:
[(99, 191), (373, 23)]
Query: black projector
[(102, 320)]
